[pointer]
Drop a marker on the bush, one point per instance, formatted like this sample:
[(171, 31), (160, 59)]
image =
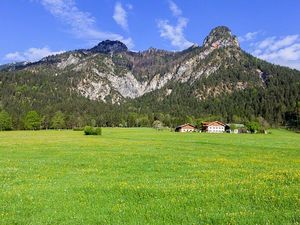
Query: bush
[(78, 129), (253, 126), (98, 130), (88, 130)]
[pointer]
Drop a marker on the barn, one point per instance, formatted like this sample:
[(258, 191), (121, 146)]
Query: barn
[(185, 128)]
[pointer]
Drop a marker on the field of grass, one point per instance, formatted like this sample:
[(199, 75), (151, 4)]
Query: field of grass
[(144, 176)]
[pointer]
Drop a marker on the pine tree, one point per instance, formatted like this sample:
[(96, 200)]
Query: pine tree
[(58, 121)]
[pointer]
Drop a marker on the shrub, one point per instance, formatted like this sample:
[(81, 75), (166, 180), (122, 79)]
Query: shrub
[(98, 131), (88, 130), (253, 126), (78, 129)]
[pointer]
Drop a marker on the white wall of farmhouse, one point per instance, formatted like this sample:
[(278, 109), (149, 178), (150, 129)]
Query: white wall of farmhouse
[(216, 129)]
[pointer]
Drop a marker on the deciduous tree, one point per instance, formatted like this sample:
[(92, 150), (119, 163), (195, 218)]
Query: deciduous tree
[(32, 121), (5, 121)]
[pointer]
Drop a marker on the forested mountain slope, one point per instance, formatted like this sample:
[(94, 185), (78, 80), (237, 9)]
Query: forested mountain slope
[(110, 85)]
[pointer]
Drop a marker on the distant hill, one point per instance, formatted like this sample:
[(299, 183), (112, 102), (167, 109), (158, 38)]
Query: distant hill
[(110, 85)]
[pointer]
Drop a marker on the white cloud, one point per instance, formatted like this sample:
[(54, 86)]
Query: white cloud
[(80, 23), (288, 53), (32, 54), (129, 6), (14, 56), (274, 43), (257, 52), (266, 42), (286, 41), (249, 36), (176, 11), (120, 16), (283, 51), (175, 33)]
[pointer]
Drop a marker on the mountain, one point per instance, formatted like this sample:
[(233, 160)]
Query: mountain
[(109, 47), (13, 66), (109, 84)]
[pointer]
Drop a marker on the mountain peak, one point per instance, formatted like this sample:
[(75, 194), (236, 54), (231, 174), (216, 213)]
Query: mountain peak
[(221, 36), (109, 46)]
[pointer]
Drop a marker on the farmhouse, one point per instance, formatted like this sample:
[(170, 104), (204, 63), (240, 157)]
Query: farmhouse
[(213, 127), (185, 128)]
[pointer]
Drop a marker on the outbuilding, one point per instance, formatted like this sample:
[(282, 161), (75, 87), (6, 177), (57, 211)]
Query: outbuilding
[(185, 128)]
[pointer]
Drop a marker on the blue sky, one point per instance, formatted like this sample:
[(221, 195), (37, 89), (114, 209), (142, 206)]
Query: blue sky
[(32, 29)]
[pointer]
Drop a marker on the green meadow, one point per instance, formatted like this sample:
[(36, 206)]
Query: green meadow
[(144, 176)]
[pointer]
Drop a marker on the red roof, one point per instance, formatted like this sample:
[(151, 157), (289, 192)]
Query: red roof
[(184, 125), (214, 123)]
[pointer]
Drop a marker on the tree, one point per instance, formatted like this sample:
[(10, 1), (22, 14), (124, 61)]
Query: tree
[(198, 123), (298, 115), (5, 121), (191, 120), (157, 125), (236, 119), (253, 126), (93, 122), (45, 122), (132, 119), (32, 121), (144, 121), (58, 121), (264, 125), (233, 127)]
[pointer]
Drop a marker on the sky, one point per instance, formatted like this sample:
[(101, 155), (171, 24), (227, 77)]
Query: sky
[(33, 29)]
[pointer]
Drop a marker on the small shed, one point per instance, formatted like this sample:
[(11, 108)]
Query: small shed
[(185, 128), (237, 128)]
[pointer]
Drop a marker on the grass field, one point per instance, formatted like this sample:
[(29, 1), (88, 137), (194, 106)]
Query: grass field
[(143, 176)]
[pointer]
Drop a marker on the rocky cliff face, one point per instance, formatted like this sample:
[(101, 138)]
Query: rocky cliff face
[(221, 37), (109, 72), (130, 75), (109, 47)]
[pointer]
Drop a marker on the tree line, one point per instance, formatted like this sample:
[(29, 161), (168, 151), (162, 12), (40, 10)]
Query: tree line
[(36, 121), (32, 121)]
